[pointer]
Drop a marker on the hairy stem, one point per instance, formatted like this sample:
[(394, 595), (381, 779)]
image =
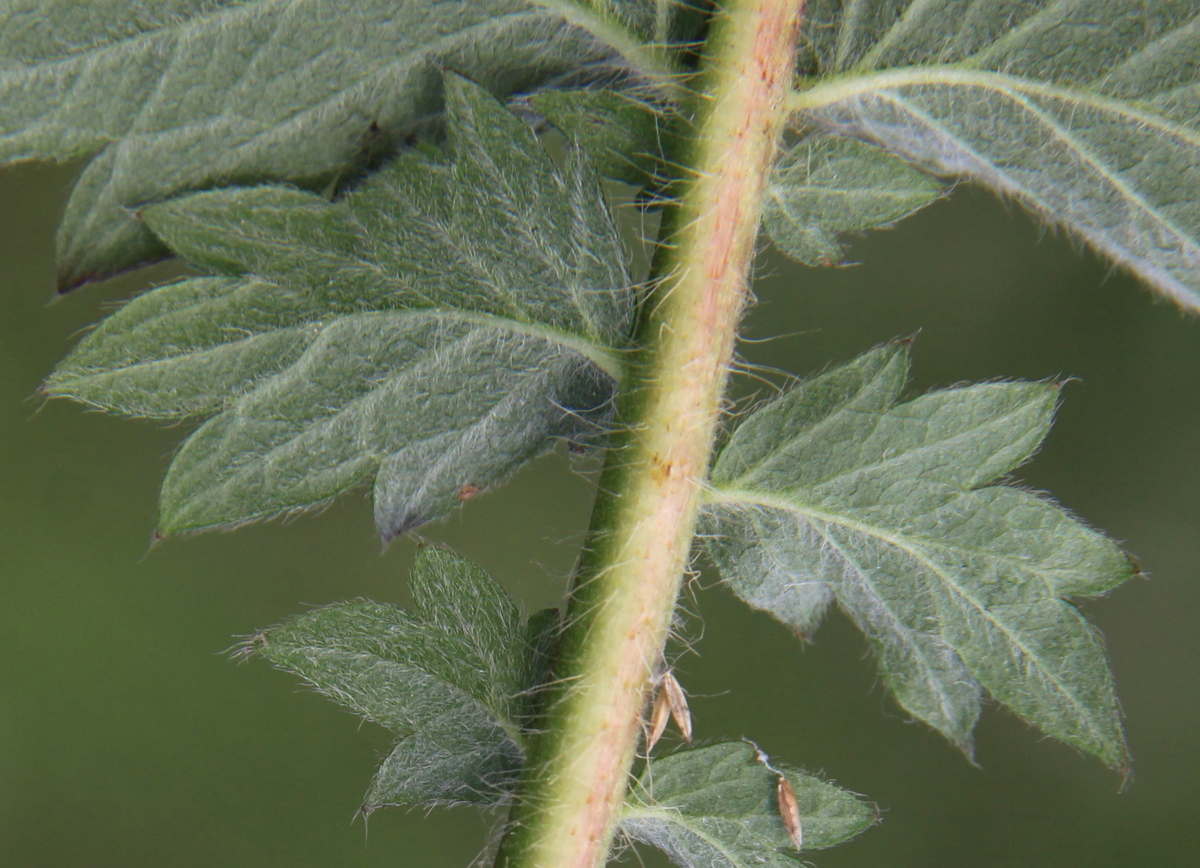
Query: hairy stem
[(620, 612)]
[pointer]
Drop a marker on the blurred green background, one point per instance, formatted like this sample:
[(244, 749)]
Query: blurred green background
[(127, 739)]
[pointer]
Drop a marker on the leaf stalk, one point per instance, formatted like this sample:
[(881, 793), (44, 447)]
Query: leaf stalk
[(620, 611)]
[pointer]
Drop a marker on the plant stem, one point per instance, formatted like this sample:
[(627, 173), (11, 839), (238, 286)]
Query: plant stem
[(621, 607)]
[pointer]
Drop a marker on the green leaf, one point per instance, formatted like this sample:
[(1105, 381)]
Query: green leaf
[(178, 96), (824, 185), (625, 136), (716, 807), (1085, 110), (832, 491), (449, 678), (430, 333)]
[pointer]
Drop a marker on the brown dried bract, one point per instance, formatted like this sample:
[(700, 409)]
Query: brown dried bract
[(677, 702), (789, 811), (660, 712)]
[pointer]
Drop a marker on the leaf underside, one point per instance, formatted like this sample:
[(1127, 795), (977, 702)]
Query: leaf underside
[(1088, 111), (625, 133), (716, 807), (450, 678), (835, 492), (429, 333), (824, 185), (193, 94)]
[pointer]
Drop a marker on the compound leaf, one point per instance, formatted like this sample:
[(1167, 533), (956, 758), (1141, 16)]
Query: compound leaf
[(430, 332), (448, 677), (1085, 110), (833, 491), (193, 94), (824, 185), (716, 807)]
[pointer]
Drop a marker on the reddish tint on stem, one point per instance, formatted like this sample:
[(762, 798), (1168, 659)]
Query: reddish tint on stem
[(619, 617)]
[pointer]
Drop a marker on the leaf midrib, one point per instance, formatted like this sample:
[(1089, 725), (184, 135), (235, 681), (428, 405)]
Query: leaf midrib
[(836, 88), (1014, 561), (605, 358), (517, 312), (498, 716)]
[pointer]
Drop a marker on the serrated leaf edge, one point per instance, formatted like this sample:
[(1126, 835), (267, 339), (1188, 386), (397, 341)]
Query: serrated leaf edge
[(742, 498)]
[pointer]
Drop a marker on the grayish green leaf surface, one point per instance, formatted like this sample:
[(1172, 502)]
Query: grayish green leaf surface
[(824, 185), (626, 136), (833, 491), (191, 94), (1085, 110), (447, 677), (432, 331), (715, 807)]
